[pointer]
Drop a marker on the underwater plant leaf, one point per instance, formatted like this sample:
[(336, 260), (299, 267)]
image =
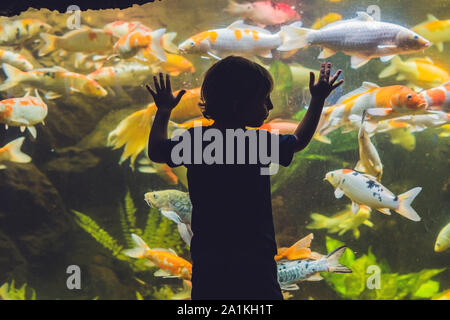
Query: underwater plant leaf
[(151, 225), (347, 258), (9, 292), (427, 290), (282, 76), (139, 296), (299, 115)]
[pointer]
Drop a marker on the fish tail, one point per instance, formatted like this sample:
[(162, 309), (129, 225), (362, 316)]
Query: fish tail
[(392, 69), (140, 248), (405, 200), (319, 221), (49, 44), (157, 41), (294, 37), (167, 43), (14, 152), (333, 261), (185, 233), (322, 138), (13, 76)]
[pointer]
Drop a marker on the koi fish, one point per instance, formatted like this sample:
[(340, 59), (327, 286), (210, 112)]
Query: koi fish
[(263, 12), (11, 152), (171, 176), (15, 59), (326, 20), (290, 272), (438, 98), (174, 65), (81, 40), (57, 80), (381, 103), (237, 38), (421, 122), (24, 112), (134, 130), (299, 250), (17, 31), (129, 45), (122, 74), (362, 38), (364, 189), (176, 206), (120, 28), (170, 264), (435, 30), (443, 239), (283, 126), (342, 221), (421, 72)]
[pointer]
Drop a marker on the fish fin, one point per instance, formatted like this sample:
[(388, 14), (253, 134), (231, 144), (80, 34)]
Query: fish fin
[(147, 169), (22, 128), (72, 89), (392, 69), (379, 112), (333, 261), (14, 152), (314, 277), (140, 247), (214, 55), (357, 61), (184, 233), (290, 287), (385, 211), (266, 54), (364, 16), (2, 167), (369, 85), (400, 77), (370, 126), (431, 17), (405, 200), (51, 95), (294, 38), (440, 46), (150, 264), (360, 167), (155, 46), (13, 76), (387, 58), (319, 221), (322, 138), (173, 252), (237, 24), (355, 207), (49, 44), (167, 43), (32, 130), (326, 53), (338, 193), (171, 215), (162, 273)]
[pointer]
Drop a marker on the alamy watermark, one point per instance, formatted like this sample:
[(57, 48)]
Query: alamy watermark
[(74, 21), (74, 280), (374, 280)]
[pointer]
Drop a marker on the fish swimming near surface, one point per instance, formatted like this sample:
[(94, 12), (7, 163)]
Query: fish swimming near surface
[(11, 152), (438, 98), (170, 264), (435, 30), (130, 44), (15, 32), (24, 112), (15, 59), (362, 38), (342, 221), (364, 189), (419, 72), (176, 206), (290, 272), (56, 80), (263, 12), (81, 40), (443, 239)]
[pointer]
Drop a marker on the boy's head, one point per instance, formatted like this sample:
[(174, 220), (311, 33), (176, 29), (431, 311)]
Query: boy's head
[(236, 92)]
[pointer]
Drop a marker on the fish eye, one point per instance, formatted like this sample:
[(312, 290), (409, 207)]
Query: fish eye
[(409, 97), (155, 196), (416, 37), (332, 174)]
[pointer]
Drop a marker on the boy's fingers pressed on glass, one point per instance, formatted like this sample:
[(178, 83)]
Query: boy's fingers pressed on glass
[(338, 84), (158, 89), (336, 75), (179, 96), (312, 79), (161, 81), (168, 85), (153, 93)]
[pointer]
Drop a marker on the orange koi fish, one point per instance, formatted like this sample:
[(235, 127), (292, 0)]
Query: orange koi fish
[(283, 126), (170, 264), (299, 250), (438, 98), (11, 152), (17, 31)]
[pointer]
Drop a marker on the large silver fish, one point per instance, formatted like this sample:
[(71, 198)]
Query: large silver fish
[(290, 272), (362, 38)]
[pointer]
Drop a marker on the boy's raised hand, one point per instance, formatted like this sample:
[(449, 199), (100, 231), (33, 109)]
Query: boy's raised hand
[(325, 85), (163, 96)]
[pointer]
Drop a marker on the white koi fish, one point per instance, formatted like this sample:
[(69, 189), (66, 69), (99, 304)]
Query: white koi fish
[(364, 189), (122, 74), (11, 152), (15, 59), (17, 31)]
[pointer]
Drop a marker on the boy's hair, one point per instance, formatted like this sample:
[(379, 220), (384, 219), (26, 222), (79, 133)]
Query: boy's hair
[(233, 81)]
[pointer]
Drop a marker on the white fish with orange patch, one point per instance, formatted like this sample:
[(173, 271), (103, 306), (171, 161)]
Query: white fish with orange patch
[(15, 59), (17, 31), (130, 44), (11, 152), (24, 112), (438, 98), (364, 189), (120, 28)]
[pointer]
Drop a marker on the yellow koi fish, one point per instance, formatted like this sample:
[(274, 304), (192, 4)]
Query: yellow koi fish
[(17, 31), (170, 264), (15, 59), (420, 72), (443, 239), (435, 30), (11, 152), (174, 65), (325, 20)]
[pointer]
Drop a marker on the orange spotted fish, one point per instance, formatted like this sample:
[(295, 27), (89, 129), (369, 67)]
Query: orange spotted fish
[(381, 103), (170, 264), (17, 31), (24, 112), (15, 59), (11, 152), (120, 28), (283, 126), (56, 80), (299, 250), (438, 98), (437, 31), (130, 44)]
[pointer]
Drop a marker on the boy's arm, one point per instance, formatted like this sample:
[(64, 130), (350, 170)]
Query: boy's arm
[(165, 102), (319, 92)]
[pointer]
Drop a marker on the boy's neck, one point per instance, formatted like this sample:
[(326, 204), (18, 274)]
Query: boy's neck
[(222, 126)]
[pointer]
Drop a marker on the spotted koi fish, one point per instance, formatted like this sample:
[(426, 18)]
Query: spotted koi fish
[(24, 112), (237, 38), (15, 59), (130, 44), (11, 152), (170, 264), (122, 74), (17, 31), (290, 272), (438, 98), (435, 30), (381, 103), (364, 189), (57, 80)]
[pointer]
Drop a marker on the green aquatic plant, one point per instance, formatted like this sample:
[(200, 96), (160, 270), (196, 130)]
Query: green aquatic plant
[(392, 286), (10, 292), (282, 76)]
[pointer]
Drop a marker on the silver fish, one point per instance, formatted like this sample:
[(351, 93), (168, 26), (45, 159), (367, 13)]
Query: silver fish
[(290, 272), (362, 38)]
